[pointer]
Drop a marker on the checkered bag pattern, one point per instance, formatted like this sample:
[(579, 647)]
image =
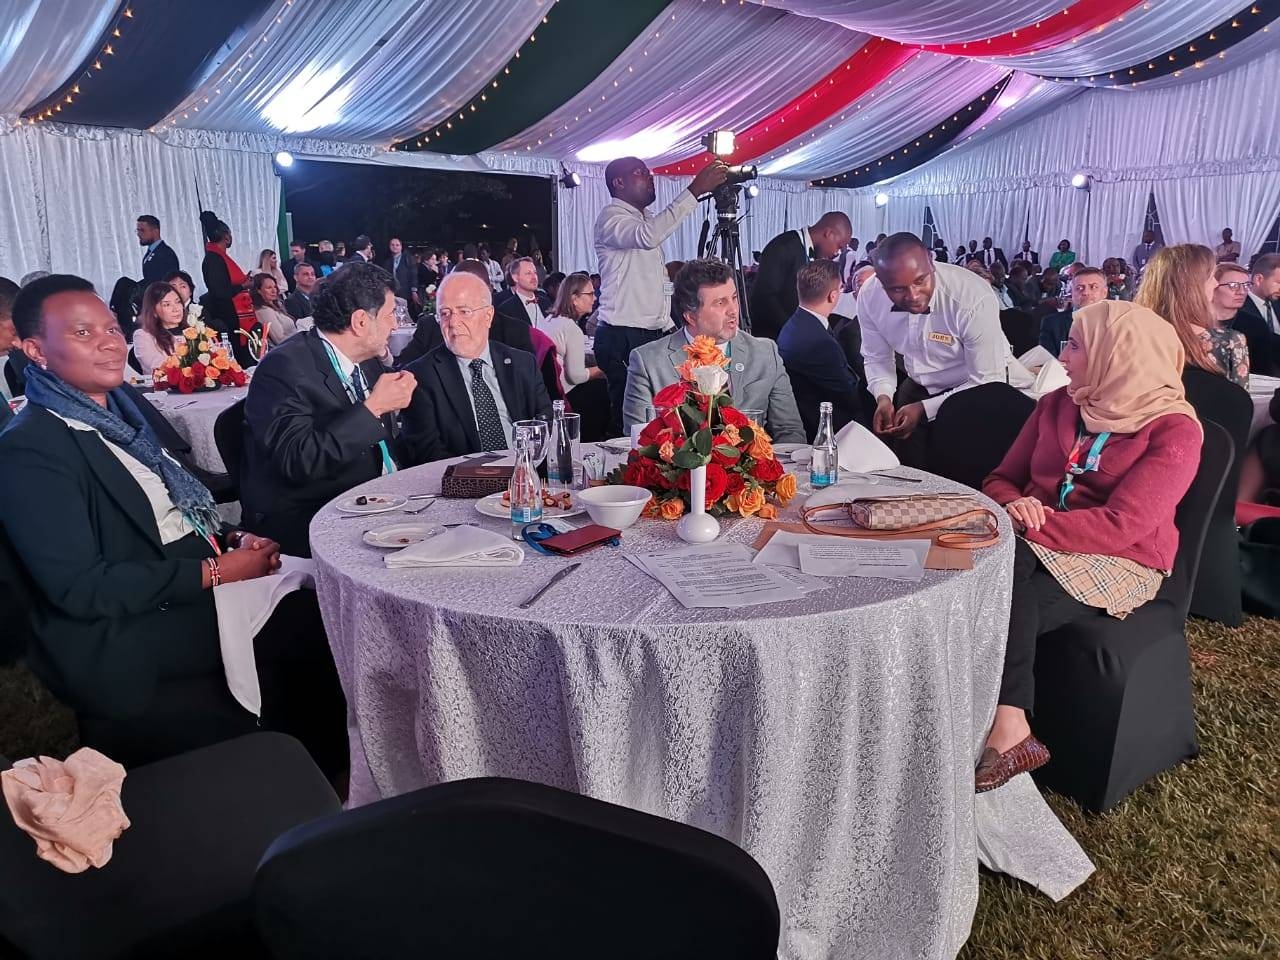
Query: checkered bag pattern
[(909, 512)]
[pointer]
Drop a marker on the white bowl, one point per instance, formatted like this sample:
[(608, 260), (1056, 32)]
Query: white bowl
[(614, 506)]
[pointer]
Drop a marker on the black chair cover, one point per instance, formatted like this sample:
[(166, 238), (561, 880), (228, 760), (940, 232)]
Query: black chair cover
[(1113, 697), (1020, 329), (228, 436), (503, 868), (974, 429), (179, 880)]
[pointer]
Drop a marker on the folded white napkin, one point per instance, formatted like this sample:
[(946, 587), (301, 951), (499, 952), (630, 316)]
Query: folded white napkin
[(1260, 386), (862, 451), (1037, 356), (459, 547), (1052, 376), (243, 608)]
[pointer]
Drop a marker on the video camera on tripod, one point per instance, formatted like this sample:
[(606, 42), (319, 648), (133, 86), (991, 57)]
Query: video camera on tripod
[(726, 243)]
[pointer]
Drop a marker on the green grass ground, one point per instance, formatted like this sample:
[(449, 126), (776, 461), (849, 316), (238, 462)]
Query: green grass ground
[(1188, 868)]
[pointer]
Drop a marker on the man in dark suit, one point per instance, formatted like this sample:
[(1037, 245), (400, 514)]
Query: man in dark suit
[(319, 418), (991, 255), (773, 296), (511, 331), (297, 255), (470, 389), (814, 360), (401, 267), (1027, 254), (364, 250), (159, 261), (298, 303), (1088, 286), (525, 303), (1259, 318), (10, 344)]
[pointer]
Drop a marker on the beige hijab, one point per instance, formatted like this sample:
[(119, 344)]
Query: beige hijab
[(1134, 368)]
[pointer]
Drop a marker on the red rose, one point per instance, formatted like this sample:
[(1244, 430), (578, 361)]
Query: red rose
[(767, 471), (731, 416), (725, 460), (174, 376), (186, 384), (240, 380), (227, 378), (717, 482), (735, 484), (670, 397), (198, 371)]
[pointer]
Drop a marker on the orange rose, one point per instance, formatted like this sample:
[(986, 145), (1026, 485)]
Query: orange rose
[(750, 501), (190, 333), (785, 488), (221, 362), (672, 509), (731, 503), (760, 447), (729, 435), (704, 352), (650, 511), (768, 512), (665, 453)]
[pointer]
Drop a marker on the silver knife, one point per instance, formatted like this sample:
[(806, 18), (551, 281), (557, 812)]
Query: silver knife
[(550, 583)]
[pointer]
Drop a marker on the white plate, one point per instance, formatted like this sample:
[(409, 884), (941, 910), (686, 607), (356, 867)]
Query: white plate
[(377, 503), (800, 454), (401, 535), (491, 506), (789, 449)]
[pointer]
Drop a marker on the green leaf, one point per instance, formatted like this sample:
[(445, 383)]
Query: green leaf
[(687, 458), (702, 442), (727, 451)]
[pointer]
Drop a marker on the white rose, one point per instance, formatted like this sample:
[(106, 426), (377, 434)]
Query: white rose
[(710, 379), (431, 288), (205, 359)]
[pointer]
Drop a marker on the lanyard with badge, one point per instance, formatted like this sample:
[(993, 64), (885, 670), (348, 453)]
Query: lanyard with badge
[(1074, 469), (353, 392)]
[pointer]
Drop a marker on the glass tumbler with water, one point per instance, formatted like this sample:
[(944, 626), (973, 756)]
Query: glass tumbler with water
[(525, 488), (824, 467), (564, 453)]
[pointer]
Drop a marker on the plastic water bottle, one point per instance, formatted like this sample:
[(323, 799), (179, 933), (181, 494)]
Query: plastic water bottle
[(824, 467), (525, 488), (225, 343)]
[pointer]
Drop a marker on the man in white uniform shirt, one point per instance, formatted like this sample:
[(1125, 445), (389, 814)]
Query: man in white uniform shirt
[(635, 294), (945, 322)]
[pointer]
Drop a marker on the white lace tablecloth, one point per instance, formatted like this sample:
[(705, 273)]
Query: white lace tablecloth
[(193, 416), (833, 738)]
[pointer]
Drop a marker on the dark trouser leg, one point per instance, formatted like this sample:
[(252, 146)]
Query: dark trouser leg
[(913, 450), (590, 401), (612, 347), (1040, 604), (301, 695)]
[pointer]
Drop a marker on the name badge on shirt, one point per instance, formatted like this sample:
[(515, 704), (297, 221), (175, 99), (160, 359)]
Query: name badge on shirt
[(943, 338)]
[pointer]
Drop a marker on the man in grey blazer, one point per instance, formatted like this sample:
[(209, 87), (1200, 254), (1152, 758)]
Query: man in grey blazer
[(707, 296)]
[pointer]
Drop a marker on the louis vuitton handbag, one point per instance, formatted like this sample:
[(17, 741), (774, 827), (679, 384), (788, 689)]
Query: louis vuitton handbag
[(949, 519)]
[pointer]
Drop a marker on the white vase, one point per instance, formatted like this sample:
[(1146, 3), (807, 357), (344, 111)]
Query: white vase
[(698, 526)]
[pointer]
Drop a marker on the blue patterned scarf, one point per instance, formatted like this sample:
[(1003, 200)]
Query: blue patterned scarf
[(123, 424)]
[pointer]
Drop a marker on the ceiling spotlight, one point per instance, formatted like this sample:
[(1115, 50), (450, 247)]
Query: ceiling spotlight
[(719, 142), (284, 158), (882, 199), (1080, 181), (751, 190), (569, 180)]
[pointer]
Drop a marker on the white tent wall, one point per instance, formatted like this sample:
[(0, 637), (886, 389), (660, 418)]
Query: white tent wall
[(70, 196), (1210, 151)]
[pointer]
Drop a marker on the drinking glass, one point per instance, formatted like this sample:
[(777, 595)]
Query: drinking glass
[(756, 415), (538, 433), (566, 446)]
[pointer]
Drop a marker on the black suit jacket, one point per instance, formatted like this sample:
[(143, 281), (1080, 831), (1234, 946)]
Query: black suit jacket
[(773, 295), (298, 304), (505, 329), (15, 373), (406, 277), (106, 592), (1264, 346), (162, 262), (513, 311), (441, 423), (819, 370), (305, 441)]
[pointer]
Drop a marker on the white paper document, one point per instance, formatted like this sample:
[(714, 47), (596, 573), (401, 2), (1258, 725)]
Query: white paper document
[(717, 575), (887, 560)]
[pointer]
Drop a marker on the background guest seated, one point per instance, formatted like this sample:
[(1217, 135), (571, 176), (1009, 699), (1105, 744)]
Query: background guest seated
[(181, 281), (298, 303), (159, 321), (123, 546), (1101, 541), (269, 308), (815, 363), (319, 417), (470, 389), (1089, 285), (525, 303), (1259, 318), (584, 386)]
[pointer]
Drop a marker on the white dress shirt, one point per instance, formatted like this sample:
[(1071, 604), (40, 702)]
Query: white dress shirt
[(350, 371), (958, 344), (826, 324), (571, 345), (151, 356), (169, 519), (490, 377), (495, 275), (531, 307), (634, 289)]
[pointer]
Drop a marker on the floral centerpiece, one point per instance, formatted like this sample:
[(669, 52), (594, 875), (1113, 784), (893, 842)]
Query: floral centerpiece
[(428, 302), (697, 427), (198, 362)]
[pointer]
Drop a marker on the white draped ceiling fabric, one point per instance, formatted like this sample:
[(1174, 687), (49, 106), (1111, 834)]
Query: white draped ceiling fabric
[(342, 81)]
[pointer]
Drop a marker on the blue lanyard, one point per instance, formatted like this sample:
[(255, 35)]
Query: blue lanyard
[(1074, 469), (388, 465)]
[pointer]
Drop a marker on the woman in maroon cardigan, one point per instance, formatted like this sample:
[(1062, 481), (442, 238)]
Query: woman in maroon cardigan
[(1091, 483)]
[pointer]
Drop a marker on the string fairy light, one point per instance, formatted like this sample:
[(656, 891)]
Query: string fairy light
[(66, 94)]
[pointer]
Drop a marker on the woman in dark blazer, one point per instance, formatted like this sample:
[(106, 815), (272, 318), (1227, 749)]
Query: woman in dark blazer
[(123, 546)]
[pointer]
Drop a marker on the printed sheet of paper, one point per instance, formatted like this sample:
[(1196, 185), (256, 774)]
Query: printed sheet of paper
[(895, 560), (717, 575)]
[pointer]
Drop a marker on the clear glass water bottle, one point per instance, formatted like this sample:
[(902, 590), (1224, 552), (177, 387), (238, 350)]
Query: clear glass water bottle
[(824, 467), (225, 342), (560, 457), (525, 488)]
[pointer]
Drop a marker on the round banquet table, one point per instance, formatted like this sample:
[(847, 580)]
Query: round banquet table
[(193, 416), (833, 737)]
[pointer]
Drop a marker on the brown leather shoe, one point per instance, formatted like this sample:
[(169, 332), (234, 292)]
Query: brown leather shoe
[(997, 769)]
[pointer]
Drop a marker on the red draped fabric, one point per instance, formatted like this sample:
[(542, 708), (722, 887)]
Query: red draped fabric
[(1063, 27)]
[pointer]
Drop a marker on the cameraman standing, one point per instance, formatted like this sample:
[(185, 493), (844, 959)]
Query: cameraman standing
[(635, 294)]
